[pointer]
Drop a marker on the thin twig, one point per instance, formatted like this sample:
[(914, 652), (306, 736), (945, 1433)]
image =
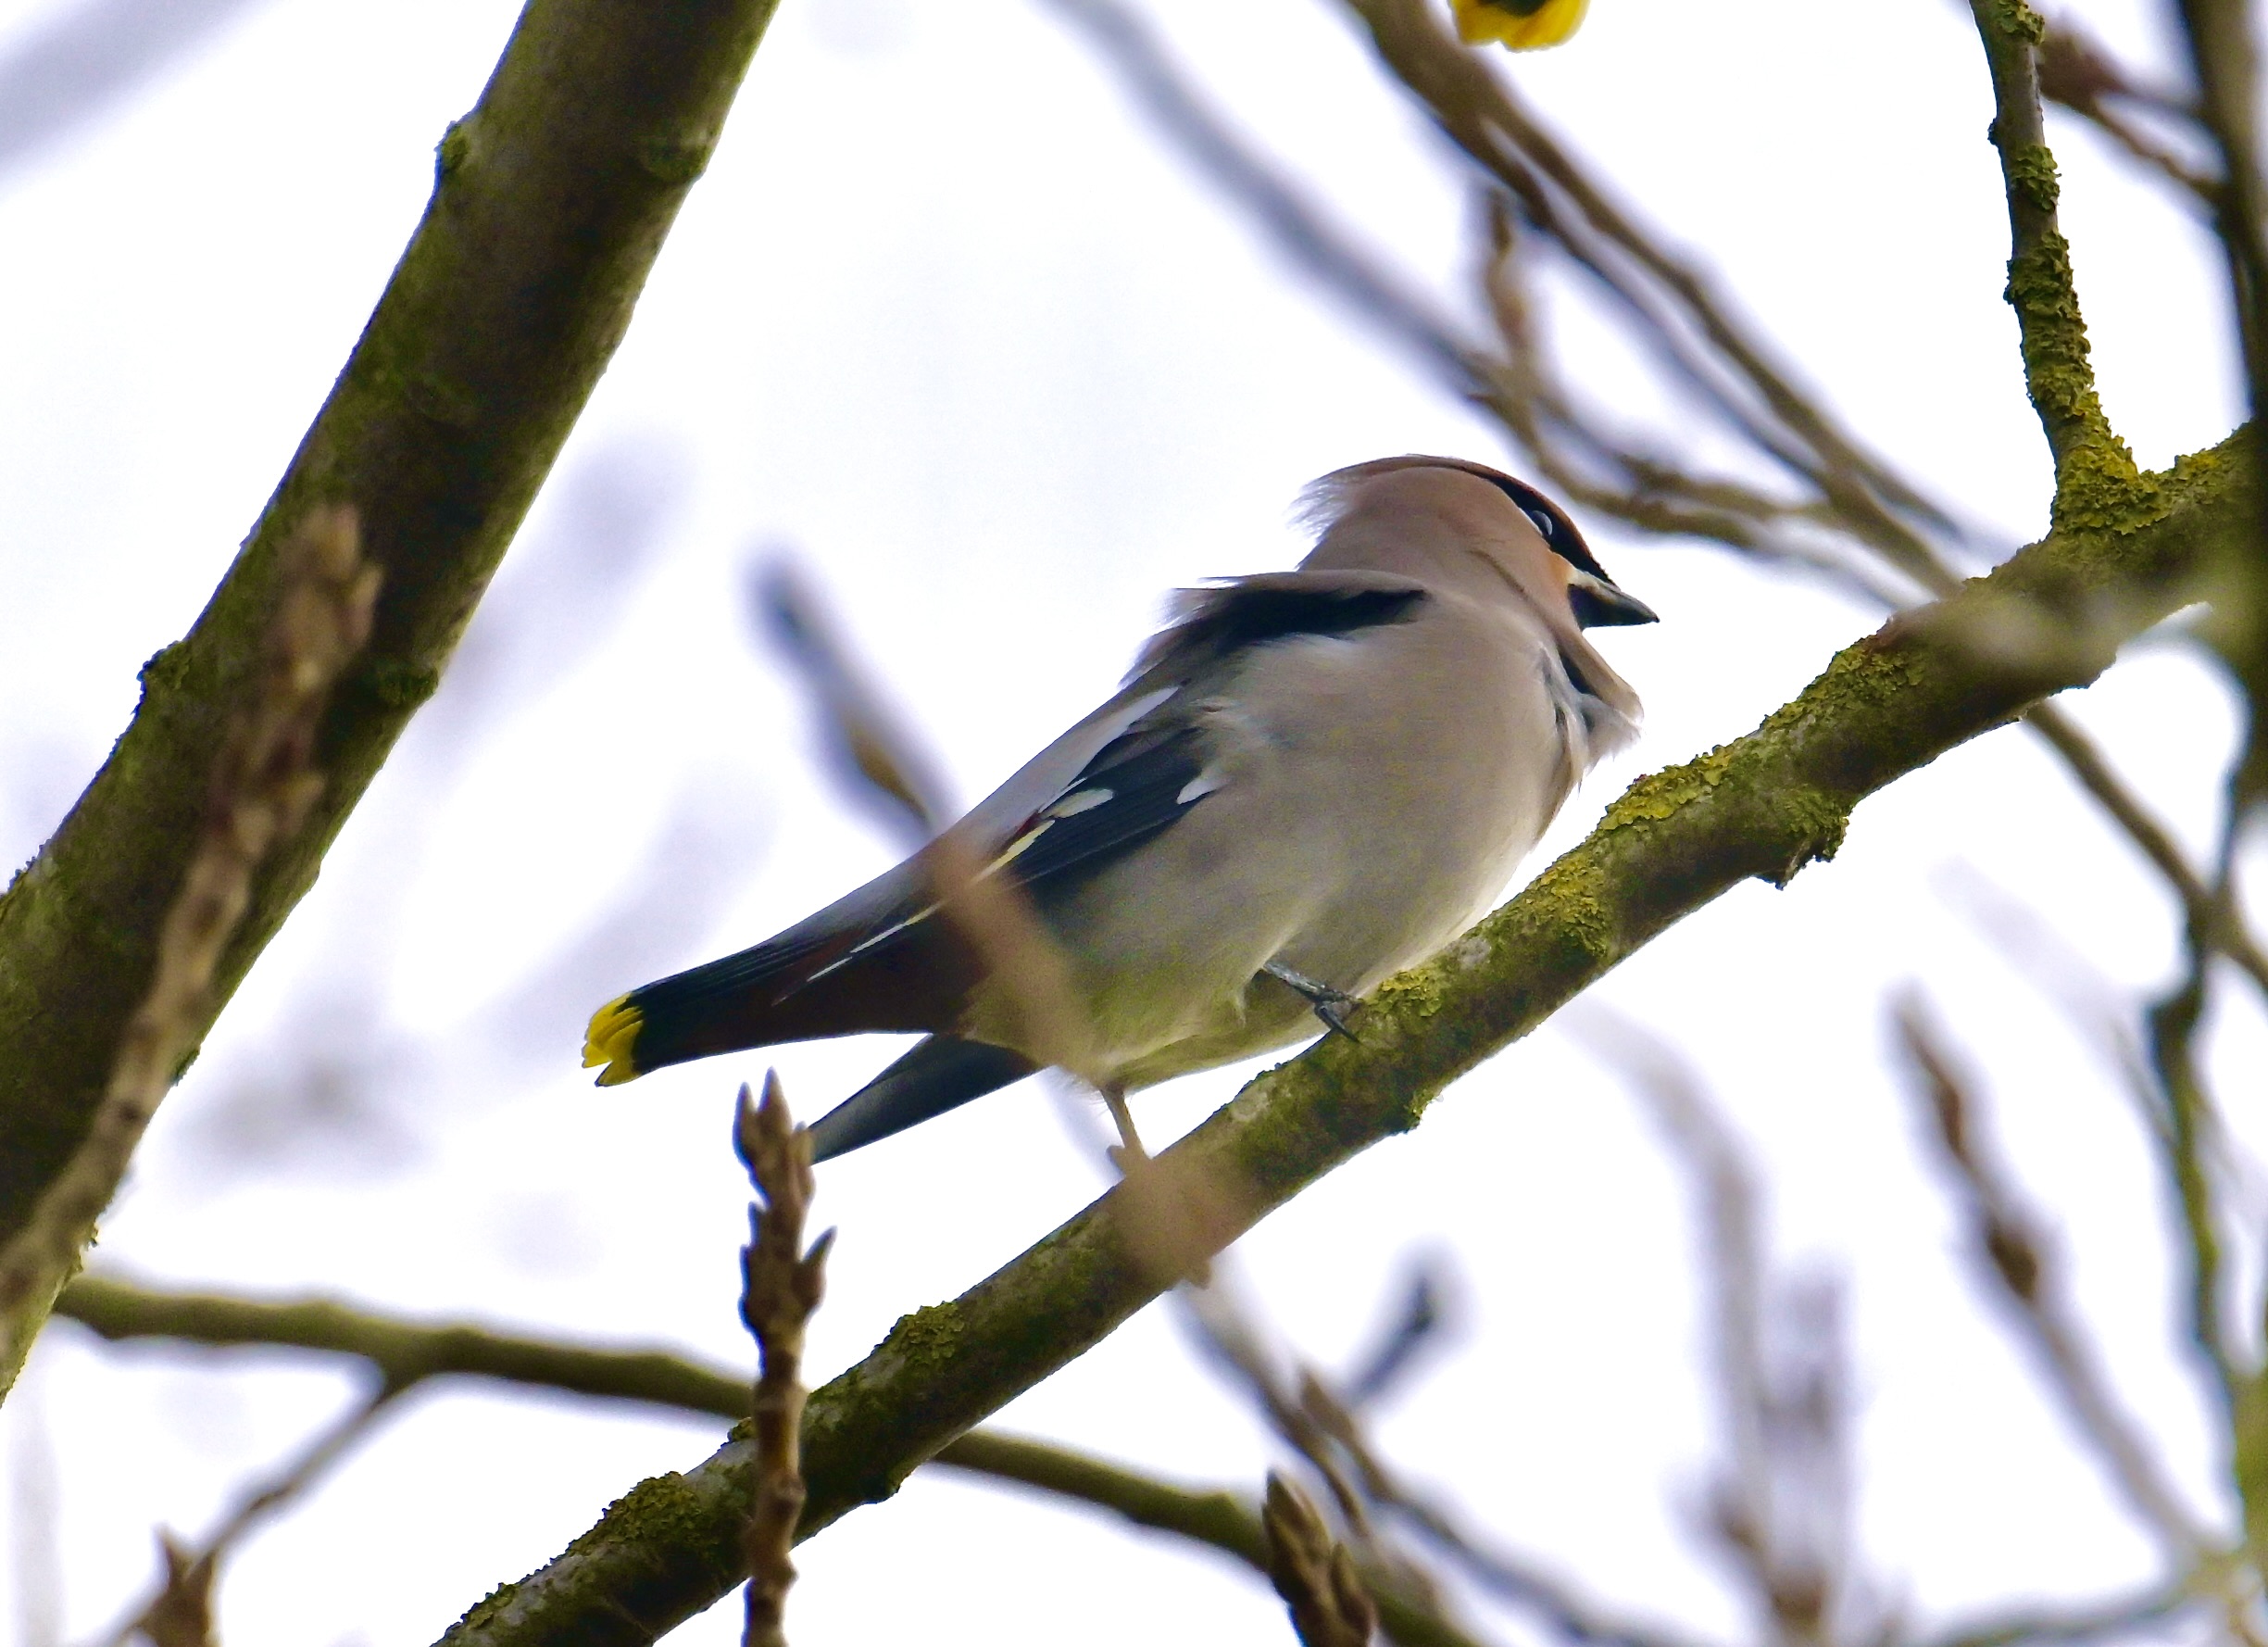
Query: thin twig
[(2010, 1241), (1300, 1406), (183, 1613), (1313, 1572), (262, 787), (2190, 1136), (2208, 911), (2149, 1609), (1782, 1502), (1298, 226), (1414, 1332), (2224, 59), (1221, 1519), (182, 1605), (2078, 73), (780, 1285)]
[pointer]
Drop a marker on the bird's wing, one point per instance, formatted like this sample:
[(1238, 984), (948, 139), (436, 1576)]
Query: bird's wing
[(879, 959), (869, 962), (1214, 625)]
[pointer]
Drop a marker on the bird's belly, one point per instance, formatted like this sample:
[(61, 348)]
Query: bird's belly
[(1346, 895)]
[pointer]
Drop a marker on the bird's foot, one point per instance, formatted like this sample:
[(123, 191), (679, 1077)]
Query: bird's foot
[(1331, 1005)]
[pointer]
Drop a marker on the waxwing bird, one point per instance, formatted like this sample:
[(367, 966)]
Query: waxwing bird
[(1308, 781)]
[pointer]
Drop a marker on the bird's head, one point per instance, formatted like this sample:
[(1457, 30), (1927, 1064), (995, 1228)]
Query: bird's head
[(1436, 517)]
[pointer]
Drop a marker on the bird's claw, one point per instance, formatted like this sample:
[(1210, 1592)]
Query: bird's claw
[(1331, 1005)]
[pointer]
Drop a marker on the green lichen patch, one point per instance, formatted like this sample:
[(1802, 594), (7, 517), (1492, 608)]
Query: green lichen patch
[(2031, 171), (397, 683), (659, 1513), (489, 1607), (2013, 17), (928, 1337), (450, 152), (2099, 488), (1658, 795), (2057, 368)]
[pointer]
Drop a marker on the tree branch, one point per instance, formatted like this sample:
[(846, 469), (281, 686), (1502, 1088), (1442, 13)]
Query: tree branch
[(1761, 807), (2227, 68), (2058, 372), (260, 792), (550, 204), (404, 1352)]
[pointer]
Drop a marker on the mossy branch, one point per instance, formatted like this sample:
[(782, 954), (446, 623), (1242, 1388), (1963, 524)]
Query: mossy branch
[(550, 204), (1761, 807), (2094, 471)]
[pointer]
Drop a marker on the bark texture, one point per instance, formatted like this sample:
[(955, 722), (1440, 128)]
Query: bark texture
[(550, 202)]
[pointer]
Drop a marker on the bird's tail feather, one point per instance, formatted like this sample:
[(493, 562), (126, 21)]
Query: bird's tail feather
[(788, 990), (940, 1074)]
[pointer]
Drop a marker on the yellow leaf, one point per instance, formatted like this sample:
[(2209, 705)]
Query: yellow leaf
[(1524, 25)]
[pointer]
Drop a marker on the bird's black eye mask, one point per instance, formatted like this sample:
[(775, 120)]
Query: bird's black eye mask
[(1559, 535), (1592, 610)]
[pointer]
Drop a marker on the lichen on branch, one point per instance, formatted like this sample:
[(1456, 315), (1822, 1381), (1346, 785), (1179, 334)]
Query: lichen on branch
[(2094, 470)]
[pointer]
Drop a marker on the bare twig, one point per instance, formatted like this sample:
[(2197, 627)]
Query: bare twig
[(2149, 1610), (179, 1614), (1414, 1331), (1218, 1518), (2211, 911), (2010, 1242), (1782, 1504), (2224, 57), (1228, 1332), (1299, 227), (1304, 1411), (782, 1284), (1514, 1580), (183, 1613), (262, 787), (2078, 73), (2190, 1136), (1313, 1572), (401, 1351)]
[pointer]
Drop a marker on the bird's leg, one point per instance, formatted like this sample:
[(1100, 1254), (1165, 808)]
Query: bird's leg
[(1127, 1154), (1155, 1209), (1329, 1004)]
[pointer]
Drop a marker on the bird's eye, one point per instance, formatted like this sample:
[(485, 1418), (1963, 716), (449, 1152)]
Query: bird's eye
[(1543, 520)]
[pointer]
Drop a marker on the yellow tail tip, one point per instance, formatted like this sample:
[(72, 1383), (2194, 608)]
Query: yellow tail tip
[(613, 1033), (1521, 25)]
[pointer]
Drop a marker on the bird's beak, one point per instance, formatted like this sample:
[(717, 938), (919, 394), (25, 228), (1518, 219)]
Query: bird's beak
[(1599, 604)]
